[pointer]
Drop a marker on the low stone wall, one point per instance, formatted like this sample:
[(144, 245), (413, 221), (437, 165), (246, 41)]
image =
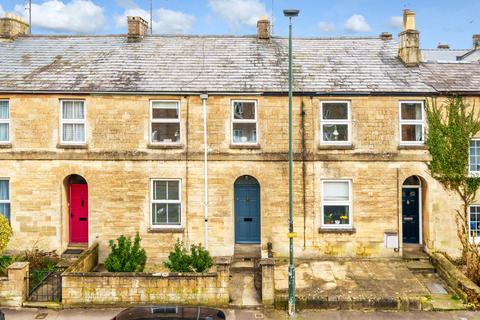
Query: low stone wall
[(108, 288), (14, 287), (86, 262), (455, 279), (268, 281)]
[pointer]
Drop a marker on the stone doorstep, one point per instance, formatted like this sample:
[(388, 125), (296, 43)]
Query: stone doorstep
[(357, 303), (47, 305)]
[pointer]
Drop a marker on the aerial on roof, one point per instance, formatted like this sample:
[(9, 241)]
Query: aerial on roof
[(220, 64)]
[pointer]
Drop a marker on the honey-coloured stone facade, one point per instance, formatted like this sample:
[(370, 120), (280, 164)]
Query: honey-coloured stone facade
[(118, 164)]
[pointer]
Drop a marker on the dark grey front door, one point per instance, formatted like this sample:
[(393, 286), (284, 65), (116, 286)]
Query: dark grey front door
[(247, 213), (411, 215)]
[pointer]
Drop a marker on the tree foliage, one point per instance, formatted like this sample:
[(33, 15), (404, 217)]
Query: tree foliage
[(451, 126), (5, 233), (126, 256)]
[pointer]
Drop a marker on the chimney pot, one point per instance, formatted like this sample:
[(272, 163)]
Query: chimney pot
[(137, 28), (263, 28), (386, 36), (409, 50), (476, 41), (12, 26), (443, 46)]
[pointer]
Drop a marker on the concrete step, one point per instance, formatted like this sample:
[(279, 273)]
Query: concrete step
[(420, 266), (247, 251)]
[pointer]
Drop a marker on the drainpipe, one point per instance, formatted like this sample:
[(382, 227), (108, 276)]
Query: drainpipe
[(204, 98)]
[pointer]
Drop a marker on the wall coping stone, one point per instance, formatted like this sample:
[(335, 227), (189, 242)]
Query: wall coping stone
[(223, 260), (18, 265), (141, 274), (267, 262)]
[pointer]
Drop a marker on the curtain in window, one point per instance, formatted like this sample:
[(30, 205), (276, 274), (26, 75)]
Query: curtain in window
[(73, 110), (4, 132), (73, 132), (3, 109), (336, 191), (4, 195)]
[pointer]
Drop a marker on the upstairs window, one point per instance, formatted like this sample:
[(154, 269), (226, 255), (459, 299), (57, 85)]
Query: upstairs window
[(5, 198), (4, 121), (336, 204), (165, 122), (73, 122), (166, 203), (411, 122), (244, 122), (335, 122), (474, 161)]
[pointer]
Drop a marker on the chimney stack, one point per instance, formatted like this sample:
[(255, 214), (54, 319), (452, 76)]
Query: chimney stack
[(137, 28), (443, 46), (409, 51), (263, 29), (12, 26), (476, 41)]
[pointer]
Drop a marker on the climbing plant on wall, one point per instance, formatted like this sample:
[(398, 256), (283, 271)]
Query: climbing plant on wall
[(451, 126)]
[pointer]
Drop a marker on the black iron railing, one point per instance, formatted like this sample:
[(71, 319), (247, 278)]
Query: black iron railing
[(46, 286)]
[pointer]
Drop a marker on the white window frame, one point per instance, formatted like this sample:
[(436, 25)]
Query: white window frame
[(347, 122), (8, 122), (179, 201), (73, 121), (475, 239), (337, 203), (255, 121), (9, 201), (411, 122), (165, 121), (472, 173)]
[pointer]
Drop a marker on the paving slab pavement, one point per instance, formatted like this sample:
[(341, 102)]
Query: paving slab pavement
[(252, 314)]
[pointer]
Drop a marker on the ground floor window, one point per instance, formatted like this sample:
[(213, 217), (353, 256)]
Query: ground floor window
[(474, 221), (5, 198), (336, 204), (166, 203)]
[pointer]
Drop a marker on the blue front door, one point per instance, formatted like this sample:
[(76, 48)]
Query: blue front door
[(247, 213), (411, 215)]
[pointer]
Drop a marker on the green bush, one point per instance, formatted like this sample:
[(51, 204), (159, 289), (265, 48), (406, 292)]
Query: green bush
[(179, 260), (5, 261), (5, 233), (201, 260), (126, 256)]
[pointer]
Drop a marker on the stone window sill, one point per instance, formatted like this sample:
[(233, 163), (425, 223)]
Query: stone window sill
[(72, 146), (5, 145), (412, 147), (245, 146), (336, 147), (165, 146), (166, 230), (338, 230)]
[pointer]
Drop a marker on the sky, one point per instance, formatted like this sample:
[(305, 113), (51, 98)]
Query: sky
[(439, 21)]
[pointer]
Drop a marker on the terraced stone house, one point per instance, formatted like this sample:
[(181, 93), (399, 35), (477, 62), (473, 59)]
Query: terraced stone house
[(187, 137)]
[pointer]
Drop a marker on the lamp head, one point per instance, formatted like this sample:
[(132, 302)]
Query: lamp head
[(291, 12)]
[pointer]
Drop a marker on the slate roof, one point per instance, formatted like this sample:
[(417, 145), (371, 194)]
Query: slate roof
[(450, 55), (216, 64)]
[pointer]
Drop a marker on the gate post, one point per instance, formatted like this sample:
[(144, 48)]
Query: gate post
[(268, 281), (18, 279)]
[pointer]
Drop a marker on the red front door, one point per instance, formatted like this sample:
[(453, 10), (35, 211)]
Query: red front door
[(78, 205)]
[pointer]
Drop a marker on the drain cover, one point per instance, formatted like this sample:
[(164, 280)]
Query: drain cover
[(41, 316), (258, 316)]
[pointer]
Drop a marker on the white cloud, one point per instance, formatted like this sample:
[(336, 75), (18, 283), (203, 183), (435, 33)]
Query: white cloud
[(326, 26), (164, 20), (78, 16), (395, 22), (357, 23), (237, 13)]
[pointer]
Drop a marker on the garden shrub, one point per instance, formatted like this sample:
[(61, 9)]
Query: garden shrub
[(5, 233), (126, 256), (179, 260), (201, 259), (5, 261)]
